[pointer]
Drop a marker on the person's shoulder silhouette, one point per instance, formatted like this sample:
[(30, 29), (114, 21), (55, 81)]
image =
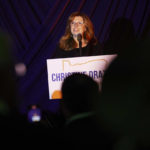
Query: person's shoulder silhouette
[(80, 94)]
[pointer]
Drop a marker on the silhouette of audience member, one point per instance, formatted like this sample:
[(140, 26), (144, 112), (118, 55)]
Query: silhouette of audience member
[(124, 105), (121, 36), (8, 95), (11, 120), (80, 95), (14, 126)]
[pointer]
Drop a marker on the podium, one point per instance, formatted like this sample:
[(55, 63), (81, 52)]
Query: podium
[(60, 68)]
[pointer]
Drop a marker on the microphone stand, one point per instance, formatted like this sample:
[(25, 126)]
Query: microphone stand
[(80, 47), (79, 38)]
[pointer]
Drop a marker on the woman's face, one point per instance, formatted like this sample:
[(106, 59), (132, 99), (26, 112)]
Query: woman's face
[(77, 26)]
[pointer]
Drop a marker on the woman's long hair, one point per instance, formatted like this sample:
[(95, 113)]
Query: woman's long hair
[(67, 42)]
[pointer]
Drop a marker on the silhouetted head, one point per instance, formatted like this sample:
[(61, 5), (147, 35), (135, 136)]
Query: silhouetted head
[(79, 93), (121, 35)]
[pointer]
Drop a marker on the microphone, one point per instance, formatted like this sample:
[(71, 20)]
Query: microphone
[(79, 38)]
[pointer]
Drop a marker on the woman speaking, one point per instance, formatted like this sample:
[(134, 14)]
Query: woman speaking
[(79, 38)]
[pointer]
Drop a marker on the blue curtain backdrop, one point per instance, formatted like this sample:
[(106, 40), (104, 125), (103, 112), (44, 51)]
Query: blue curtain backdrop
[(37, 25)]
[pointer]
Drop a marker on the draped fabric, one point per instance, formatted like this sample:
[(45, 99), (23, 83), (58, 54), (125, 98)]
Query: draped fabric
[(37, 25)]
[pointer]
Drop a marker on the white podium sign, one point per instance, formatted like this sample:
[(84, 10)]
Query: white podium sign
[(58, 69)]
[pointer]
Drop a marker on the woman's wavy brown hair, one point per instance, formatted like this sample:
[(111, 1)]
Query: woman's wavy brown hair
[(67, 42)]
